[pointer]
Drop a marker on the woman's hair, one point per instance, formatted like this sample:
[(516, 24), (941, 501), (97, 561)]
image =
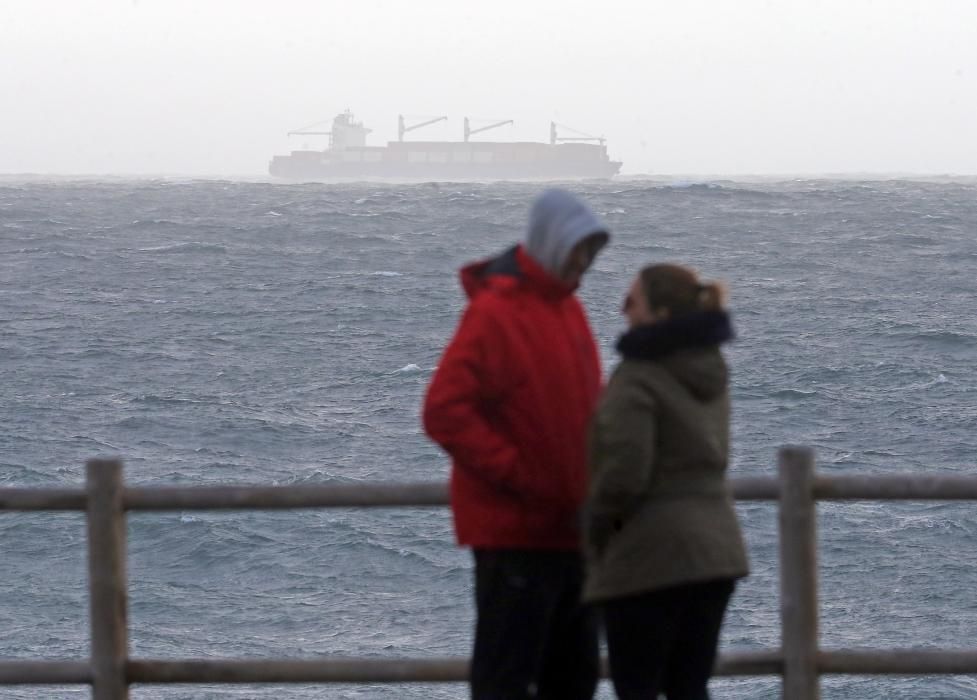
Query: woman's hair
[(677, 289)]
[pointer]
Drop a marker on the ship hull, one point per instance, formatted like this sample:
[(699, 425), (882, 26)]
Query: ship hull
[(446, 160), (286, 168)]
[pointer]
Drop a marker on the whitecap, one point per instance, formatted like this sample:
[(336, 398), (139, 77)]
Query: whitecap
[(184, 518), (192, 247), (272, 213), (387, 273)]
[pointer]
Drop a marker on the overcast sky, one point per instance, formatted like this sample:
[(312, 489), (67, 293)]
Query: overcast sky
[(210, 87)]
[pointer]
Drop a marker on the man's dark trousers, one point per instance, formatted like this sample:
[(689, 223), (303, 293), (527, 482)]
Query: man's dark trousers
[(533, 638)]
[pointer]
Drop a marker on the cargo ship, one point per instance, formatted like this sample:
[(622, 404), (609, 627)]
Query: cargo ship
[(349, 157)]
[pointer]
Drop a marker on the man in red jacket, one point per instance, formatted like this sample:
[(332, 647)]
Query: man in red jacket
[(510, 402)]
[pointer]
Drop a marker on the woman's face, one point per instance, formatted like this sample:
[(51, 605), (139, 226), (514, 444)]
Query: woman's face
[(636, 306)]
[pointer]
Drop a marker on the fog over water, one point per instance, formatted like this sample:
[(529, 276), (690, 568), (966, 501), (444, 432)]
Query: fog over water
[(154, 86)]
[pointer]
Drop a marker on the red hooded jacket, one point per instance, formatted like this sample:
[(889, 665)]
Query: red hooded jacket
[(511, 401)]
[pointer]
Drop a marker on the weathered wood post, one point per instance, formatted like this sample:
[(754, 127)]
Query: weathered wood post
[(798, 574), (107, 579)]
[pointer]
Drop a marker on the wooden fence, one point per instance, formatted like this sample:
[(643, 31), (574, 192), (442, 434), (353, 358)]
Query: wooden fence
[(800, 661)]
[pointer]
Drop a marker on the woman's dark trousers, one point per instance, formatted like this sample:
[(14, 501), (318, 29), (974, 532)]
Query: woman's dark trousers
[(665, 641), (533, 638)]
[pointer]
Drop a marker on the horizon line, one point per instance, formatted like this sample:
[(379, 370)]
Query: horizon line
[(844, 174)]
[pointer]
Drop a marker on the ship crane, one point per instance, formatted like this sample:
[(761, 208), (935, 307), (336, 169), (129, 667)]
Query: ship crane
[(581, 136), (304, 131), (470, 131), (307, 131), (402, 127)]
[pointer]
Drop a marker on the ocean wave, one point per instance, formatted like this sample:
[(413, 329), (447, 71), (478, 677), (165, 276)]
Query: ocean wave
[(794, 394), (725, 189), (944, 338), (155, 399), (154, 223), (186, 248), (22, 475), (71, 255)]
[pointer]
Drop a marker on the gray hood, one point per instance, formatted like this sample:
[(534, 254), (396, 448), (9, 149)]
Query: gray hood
[(557, 222)]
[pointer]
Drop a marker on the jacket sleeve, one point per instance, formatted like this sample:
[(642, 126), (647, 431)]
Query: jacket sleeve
[(622, 459), (468, 378)]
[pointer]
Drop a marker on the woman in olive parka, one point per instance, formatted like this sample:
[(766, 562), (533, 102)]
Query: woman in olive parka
[(664, 547)]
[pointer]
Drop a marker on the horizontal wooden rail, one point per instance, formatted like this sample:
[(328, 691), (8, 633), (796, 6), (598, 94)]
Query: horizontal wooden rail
[(909, 662), (325, 670), (905, 662), (321, 670), (361, 495), (891, 487), (755, 488), (43, 499), (353, 670), (59, 672), (871, 487), (162, 498)]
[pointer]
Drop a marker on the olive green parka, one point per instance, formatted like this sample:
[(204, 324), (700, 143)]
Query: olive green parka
[(659, 511)]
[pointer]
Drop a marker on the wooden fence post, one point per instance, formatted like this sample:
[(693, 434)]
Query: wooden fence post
[(107, 580), (798, 574)]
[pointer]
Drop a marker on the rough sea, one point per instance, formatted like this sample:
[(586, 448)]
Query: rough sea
[(215, 332)]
